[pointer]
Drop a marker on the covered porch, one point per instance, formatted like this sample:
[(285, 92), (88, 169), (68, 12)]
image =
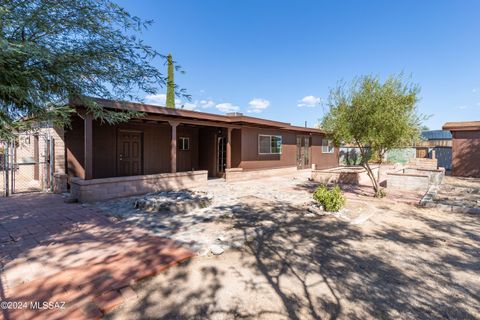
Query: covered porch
[(146, 154)]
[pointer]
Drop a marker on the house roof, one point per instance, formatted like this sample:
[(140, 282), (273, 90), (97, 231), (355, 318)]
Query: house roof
[(462, 126), (436, 135), (234, 119)]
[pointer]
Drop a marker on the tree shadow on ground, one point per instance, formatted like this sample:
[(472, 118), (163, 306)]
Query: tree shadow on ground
[(325, 268)]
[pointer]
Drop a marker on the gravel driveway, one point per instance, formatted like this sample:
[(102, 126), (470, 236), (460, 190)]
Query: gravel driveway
[(382, 260)]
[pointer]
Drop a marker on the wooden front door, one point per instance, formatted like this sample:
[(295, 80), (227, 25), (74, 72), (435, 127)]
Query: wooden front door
[(303, 152), (129, 153)]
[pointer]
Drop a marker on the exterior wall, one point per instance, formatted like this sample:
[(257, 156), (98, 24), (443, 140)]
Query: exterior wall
[(74, 146), (207, 150), (156, 148), (323, 160), (250, 159), (109, 188), (466, 153), (187, 160), (236, 147), (201, 156)]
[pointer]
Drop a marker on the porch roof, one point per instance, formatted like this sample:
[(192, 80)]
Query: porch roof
[(178, 114)]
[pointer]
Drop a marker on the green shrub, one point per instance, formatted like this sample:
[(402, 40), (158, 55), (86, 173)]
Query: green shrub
[(331, 199)]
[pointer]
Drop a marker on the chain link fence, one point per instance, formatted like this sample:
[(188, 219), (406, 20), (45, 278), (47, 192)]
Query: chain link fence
[(25, 164)]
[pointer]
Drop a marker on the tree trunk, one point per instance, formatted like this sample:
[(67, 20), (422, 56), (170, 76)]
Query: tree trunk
[(371, 175)]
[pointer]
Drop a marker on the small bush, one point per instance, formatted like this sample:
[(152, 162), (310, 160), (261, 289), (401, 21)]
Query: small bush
[(331, 199)]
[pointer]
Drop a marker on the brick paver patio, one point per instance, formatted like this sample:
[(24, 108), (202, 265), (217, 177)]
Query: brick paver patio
[(51, 251)]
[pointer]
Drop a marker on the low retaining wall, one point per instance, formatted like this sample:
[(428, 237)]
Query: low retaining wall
[(238, 174), (117, 187), (344, 175), (423, 163), (414, 179)]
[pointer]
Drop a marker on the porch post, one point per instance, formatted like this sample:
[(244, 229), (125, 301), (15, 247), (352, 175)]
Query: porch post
[(229, 148), (173, 147), (88, 156)]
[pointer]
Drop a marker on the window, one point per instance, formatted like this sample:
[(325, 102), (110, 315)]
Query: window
[(183, 143), (269, 144), (327, 146)]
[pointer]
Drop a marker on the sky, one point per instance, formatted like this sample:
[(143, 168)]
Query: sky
[(280, 59)]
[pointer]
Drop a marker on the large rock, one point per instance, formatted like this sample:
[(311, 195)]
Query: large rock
[(173, 201)]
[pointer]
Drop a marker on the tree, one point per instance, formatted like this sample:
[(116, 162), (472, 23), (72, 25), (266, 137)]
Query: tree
[(52, 51), (170, 84), (374, 116)]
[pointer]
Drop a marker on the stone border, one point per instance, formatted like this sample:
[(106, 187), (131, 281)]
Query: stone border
[(117, 187), (428, 201)]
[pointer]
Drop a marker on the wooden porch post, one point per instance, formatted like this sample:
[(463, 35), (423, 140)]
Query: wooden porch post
[(173, 147), (229, 148), (88, 156)]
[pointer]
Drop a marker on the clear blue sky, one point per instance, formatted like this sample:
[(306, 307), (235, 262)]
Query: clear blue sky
[(264, 57)]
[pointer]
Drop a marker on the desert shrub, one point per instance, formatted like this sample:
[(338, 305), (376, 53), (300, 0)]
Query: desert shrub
[(331, 199)]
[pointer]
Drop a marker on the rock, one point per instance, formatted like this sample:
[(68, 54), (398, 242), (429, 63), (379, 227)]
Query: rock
[(216, 249)]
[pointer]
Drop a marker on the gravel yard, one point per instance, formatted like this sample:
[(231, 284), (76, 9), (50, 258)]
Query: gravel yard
[(377, 259)]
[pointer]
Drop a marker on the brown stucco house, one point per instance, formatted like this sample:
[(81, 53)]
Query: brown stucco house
[(174, 148), (465, 148)]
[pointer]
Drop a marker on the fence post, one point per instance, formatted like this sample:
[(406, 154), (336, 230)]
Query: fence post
[(52, 162), (6, 168)]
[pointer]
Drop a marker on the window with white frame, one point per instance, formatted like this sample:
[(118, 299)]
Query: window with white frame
[(327, 146), (184, 143), (268, 144)]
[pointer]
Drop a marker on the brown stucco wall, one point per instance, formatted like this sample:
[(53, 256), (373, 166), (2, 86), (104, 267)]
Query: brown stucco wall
[(74, 145), (207, 146), (236, 147), (156, 148), (187, 160), (320, 159), (252, 160), (201, 156), (466, 153)]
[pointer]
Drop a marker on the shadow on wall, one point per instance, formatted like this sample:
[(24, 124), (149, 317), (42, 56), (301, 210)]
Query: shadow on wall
[(466, 154), (320, 269), (110, 188)]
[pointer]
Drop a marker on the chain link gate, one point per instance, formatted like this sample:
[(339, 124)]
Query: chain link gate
[(27, 164)]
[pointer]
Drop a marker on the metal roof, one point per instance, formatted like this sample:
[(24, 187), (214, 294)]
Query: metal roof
[(436, 135)]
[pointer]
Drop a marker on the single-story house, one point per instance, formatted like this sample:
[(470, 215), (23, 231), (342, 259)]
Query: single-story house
[(465, 148), (175, 148)]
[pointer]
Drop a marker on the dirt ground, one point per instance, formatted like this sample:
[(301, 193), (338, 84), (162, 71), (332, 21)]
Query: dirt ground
[(392, 261)]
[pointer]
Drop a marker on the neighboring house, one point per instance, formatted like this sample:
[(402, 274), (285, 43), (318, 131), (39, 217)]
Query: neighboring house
[(436, 144), (173, 148), (465, 148)]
